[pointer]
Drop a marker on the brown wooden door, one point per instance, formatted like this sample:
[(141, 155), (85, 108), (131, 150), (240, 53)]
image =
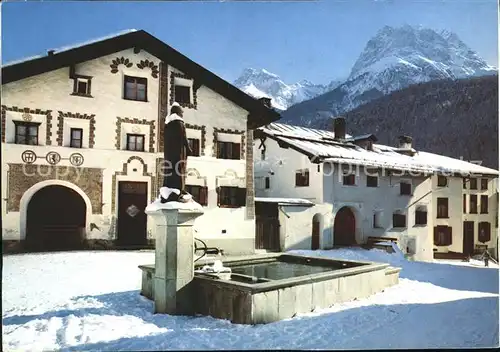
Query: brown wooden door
[(132, 201), (344, 228), (267, 233), (315, 235), (468, 243)]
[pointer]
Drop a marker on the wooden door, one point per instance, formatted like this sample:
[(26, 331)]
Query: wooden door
[(344, 228), (267, 233), (132, 220), (468, 242), (315, 235)]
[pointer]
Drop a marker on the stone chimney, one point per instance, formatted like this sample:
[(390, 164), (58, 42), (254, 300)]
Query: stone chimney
[(50, 52), (266, 102), (405, 142), (339, 127)]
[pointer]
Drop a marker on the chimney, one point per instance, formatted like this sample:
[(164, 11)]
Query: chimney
[(50, 52), (405, 142), (266, 102), (339, 128)]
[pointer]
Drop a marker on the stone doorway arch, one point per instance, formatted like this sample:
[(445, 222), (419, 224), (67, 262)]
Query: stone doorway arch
[(56, 218)]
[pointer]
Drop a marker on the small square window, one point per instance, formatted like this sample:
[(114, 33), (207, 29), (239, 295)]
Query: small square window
[(371, 181), (81, 86), (228, 150), (302, 178), (182, 94), (421, 215), (135, 142), (473, 183), (398, 220), (405, 188), (76, 136), (135, 88), (231, 197), (442, 181), (349, 180), (199, 193), (377, 220)]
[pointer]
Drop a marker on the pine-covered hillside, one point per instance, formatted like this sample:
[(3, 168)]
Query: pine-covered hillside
[(456, 118)]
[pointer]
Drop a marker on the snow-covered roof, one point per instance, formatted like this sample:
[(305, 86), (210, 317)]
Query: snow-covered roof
[(284, 201), (72, 46), (319, 143)]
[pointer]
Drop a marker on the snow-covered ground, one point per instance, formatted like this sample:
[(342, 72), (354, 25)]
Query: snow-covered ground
[(90, 301)]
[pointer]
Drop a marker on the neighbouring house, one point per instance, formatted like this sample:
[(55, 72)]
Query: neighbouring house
[(82, 144), (319, 189)]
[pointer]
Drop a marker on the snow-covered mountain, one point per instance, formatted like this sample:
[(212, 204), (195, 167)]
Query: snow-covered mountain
[(393, 59), (262, 83)]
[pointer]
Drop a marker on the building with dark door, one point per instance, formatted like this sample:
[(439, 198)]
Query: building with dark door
[(82, 145), (431, 204)]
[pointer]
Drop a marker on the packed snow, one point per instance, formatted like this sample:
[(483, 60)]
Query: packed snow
[(90, 301)]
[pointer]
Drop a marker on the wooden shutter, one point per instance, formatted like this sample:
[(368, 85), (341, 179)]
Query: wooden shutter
[(203, 195), (241, 196), (436, 236), (235, 152), (218, 190), (217, 150), (196, 147), (449, 236)]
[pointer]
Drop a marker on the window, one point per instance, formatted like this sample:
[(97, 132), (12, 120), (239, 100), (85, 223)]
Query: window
[(26, 133), (421, 215), (484, 232), (442, 235), (182, 94), (263, 154), (349, 180), (199, 193), (302, 178), (377, 220), (81, 86), (484, 204), (76, 135), (135, 142), (398, 220), (228, 150), (194, 145), (473, 204), (136, 88), (442, 208), (484, 184), (268, 183), (371, 181), (464, 183), (442, 181), (464, 203), (405, 188), (473, 183), (231, 197)]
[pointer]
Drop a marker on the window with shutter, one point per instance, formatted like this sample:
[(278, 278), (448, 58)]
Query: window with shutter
[(194, 144), (421, 216), (464, 203), (228, 150), (302, 178), (484, 232), (231, 197), (442, 181), (398, 220), (442, 235)]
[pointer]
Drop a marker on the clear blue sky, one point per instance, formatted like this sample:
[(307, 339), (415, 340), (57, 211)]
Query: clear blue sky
[(315, 40)]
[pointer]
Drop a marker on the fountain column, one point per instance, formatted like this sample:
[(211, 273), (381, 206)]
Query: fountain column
[(174, 260)]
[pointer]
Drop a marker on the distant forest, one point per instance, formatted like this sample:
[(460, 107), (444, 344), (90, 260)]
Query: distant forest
[(449, 117)]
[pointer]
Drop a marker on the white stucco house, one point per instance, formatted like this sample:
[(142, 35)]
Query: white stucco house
[(82, 144), (327, 188)]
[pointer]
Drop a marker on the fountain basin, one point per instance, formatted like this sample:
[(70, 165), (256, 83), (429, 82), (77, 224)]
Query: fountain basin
[(279, 286)]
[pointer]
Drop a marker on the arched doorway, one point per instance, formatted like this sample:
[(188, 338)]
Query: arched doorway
[(316, 232), (344, 228), (55, 219)]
